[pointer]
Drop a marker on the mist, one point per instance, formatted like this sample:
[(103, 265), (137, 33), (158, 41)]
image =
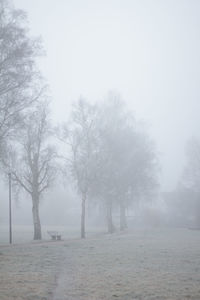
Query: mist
[(100, 145), (148, 52)]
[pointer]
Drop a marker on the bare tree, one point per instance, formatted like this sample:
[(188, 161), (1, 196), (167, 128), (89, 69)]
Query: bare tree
[(19, 78), (34, 168), (109, 165), (126, 159), (110, 160), (139, 169), (79, 135)]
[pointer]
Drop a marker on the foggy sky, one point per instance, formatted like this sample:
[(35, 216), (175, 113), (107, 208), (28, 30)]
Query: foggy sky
[(147, 50)]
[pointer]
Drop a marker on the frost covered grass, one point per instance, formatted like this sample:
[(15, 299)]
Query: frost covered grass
[(24, 234), (143, 264)]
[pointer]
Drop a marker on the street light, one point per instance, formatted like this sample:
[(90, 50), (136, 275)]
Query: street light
[(10, 209)]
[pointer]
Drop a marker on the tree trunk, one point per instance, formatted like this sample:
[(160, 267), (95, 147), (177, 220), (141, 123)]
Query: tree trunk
[(123, 223), (109, 217), (83, 216), (36, 218)]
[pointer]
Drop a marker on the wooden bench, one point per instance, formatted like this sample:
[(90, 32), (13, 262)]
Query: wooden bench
[(54, 235)]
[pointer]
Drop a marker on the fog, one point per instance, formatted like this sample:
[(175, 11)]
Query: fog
[(99, 149), (148, 51)]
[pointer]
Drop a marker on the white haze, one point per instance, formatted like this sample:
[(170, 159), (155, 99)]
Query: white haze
[(146, 50)]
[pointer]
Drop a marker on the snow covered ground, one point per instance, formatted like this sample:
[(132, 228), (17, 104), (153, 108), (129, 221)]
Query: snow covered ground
[(142, 264)]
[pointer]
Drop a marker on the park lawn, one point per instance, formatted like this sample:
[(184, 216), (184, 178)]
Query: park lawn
[(141, 264)]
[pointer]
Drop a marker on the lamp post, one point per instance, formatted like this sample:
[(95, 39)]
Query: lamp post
[(10, 209)]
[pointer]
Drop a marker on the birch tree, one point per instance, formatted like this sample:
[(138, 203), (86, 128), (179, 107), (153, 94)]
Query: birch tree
[(79, 136), (19, 77), (35, 168), (126, 160)]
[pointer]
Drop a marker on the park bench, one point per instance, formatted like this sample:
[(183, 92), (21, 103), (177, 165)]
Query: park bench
[(54, 235)]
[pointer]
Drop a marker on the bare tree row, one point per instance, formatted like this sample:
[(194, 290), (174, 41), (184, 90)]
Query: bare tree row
[(107, 153), (109, 156)]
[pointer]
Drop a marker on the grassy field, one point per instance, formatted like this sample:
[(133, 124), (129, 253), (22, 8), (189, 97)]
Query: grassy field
[(142, 264)]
